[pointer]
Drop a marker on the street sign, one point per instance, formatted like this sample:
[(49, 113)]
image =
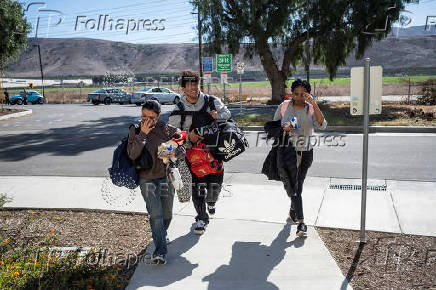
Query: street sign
[(30, 85), (240, 66), (207, 64), (224, 78), (223, 62), (207, 78), (357, 85)]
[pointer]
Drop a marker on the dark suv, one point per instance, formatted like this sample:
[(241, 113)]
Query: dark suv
[(108, 96)]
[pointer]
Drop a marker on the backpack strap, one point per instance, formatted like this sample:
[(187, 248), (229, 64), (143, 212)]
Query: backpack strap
[(284, 107), (209, 102), (182, 112)]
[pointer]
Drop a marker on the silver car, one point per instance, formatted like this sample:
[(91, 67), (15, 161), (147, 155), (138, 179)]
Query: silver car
[(163, 95)]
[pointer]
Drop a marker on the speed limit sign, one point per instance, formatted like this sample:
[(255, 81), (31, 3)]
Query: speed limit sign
[(240, 66)]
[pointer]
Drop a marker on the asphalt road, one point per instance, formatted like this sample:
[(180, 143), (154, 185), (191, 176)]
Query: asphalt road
[(78, 140)]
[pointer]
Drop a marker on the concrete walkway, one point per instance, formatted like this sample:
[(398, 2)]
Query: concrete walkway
[(403, 207)]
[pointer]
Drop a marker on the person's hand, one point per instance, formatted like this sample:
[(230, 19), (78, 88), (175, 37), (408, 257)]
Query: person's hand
[(167, 154), (308, 97), (213, 113), (194, 137), (288, 128), (147, 126)]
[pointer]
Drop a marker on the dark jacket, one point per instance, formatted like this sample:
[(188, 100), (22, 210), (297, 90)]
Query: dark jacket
[(160, 134), (273, 130)]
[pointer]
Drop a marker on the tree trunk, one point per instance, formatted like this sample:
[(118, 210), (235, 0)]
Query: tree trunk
[(278, 88), (275, 76)]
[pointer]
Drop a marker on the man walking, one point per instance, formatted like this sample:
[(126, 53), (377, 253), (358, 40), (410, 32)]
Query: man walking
[(196, 111), (6, 93)]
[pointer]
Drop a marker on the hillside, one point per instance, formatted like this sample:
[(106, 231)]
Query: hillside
[(82, 56)]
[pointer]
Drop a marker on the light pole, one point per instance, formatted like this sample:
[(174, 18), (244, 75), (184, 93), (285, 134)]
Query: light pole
[(40, 66), (199, 45)]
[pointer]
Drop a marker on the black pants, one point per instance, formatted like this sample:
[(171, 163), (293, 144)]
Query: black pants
[(205, 189), (293, 177)]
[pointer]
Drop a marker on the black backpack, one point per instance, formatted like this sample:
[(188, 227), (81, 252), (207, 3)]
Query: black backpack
[(122, 172), (224, 139), (229, 141)]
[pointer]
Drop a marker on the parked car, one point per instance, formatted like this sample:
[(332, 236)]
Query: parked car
[(163, 95), (32, 97), (108, 96)]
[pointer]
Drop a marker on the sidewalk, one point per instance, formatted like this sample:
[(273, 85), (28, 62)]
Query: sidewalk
[(248, 245), (404, 207)]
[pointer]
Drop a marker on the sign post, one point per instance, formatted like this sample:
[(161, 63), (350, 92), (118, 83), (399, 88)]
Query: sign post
[(240, 70), (224, 66), (366, 96), (207, 70)]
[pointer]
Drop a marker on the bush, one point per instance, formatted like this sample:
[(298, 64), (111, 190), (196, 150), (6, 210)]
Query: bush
[(35, 267), (4, 199), (428, 97)]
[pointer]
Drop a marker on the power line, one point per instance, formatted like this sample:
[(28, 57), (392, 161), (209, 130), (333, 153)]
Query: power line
[(117, 32)]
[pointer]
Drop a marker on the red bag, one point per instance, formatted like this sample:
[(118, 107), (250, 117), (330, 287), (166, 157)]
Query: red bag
[(201, 160)]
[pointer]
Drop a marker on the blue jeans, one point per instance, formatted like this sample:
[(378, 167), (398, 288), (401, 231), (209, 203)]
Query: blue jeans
[(159, 196)]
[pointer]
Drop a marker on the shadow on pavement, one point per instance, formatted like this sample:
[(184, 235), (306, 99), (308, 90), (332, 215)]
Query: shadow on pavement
[(67, 141), (251, 263), (177, 268)]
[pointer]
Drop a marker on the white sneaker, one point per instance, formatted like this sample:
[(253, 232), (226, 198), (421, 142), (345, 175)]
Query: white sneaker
[(211, 210), (200, 227)]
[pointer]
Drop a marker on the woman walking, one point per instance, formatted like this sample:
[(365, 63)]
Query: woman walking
[(299, 116)]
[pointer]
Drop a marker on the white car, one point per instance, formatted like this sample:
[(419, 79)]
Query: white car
[(163, 95)]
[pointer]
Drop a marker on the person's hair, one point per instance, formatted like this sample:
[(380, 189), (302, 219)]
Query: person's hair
[(300, 83), (189, 76), (152, 105)]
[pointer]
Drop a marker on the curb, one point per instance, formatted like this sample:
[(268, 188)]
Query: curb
[(359, 129), (16, 115), (75, 209)]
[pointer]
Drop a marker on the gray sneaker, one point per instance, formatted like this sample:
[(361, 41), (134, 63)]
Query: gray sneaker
[(200, 227)]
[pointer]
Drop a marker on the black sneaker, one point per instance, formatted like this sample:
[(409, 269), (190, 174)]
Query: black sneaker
[(211, 209), (200, 227), (159, 260), (293, 215), (301, 230)]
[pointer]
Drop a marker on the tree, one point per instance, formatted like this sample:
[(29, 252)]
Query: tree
[(13, 31), (336, 29)]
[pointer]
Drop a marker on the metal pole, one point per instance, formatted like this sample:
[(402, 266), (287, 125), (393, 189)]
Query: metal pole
[(1, 89), (42, 74), (408, 93), (240, 93), (224, 87), (366, 98)]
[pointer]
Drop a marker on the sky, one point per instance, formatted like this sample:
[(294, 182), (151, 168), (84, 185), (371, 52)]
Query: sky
[(147, 21)]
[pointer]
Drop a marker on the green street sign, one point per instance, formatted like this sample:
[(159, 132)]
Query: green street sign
[(223, 63)]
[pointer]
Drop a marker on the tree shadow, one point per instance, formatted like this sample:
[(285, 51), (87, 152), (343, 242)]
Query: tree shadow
[(252, 263), (68, 141)]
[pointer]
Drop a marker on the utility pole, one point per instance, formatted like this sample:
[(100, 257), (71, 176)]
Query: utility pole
[(199, 44), (40, 66), (307, 45)]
